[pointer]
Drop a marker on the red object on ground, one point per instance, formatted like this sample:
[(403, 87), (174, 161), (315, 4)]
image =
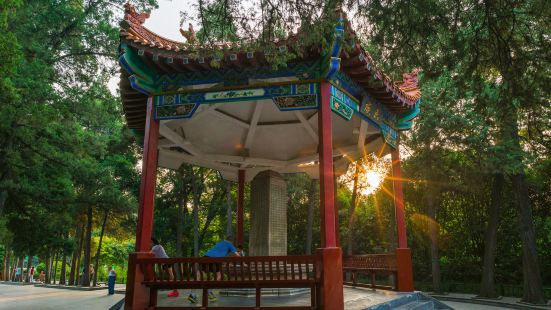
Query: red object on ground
[(173, 294)]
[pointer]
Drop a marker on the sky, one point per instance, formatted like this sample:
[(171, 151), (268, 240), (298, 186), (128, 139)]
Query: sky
[(165, 20)]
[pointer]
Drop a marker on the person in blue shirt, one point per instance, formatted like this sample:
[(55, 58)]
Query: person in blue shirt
[(221, 249)]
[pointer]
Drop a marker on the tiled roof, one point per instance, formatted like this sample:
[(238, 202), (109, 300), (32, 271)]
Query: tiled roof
[(161, 54)]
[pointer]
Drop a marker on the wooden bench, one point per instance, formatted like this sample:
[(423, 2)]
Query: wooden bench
[(371, 265), (255, 272)]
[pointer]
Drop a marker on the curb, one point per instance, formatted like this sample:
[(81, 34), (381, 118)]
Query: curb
[(489, 302)]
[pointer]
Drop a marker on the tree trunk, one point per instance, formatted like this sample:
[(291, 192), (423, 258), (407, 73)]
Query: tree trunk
[(229, 223), (532, 283), (96, 264), (433, 234), (74, 267), (29, 264), (487, 284), (47, 271), (532, 288), (62, 276), (196, 200), (349, 240), (3, 198), (55, 266), (21, 262), (87, 249), (7, 265), (180, 226), (310, 221), (13, 270), (79, 256)]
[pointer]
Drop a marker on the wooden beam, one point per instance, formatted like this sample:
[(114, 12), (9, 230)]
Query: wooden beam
[(361, 136), (231, 119), (253, 124), (313, 134), (178, 140), (199, 161), (245, 160)]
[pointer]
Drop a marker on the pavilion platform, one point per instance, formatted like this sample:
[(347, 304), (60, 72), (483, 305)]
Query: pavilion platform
[(354, 298)]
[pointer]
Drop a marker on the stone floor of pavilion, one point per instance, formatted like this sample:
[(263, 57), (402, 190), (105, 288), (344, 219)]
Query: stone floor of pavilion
[(355, 299)]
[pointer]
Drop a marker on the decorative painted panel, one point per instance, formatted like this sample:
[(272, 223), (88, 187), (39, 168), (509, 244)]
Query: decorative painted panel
[(285, 97), (175, 111), (299, 102), (377, 112), (341, 109)]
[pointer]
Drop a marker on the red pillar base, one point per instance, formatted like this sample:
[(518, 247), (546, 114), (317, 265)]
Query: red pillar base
[(405, 270), (137, 295), (331, 294)]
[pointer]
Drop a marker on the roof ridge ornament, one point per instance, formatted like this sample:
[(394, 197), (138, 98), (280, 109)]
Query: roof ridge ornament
[(130, 14), (410, 80), (189, 35)]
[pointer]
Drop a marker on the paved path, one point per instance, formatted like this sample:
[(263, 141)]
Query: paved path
[(31, 297)]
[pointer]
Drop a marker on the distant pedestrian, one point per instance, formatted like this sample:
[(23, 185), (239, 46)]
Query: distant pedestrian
[(18, 274), (41, 276), (111, 278), (159, 252), (31, 275), (92, 271)]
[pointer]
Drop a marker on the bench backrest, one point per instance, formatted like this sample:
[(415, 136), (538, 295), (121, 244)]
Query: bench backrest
[(253, 269), (370, 262)]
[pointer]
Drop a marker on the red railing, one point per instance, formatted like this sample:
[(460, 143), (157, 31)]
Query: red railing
[(237, 272), (372, 265)]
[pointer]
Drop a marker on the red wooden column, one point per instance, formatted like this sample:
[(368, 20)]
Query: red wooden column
[(331, 288), (403, 253), (240, 201), (137, 295)]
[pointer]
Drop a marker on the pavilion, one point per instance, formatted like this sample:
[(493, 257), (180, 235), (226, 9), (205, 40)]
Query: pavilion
[(251, 123)]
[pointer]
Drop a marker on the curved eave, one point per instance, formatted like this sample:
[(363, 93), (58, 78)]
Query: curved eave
[(159, 55)]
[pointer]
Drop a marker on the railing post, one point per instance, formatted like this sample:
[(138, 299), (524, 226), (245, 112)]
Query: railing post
[(403, 253), (137, 294), (331, 295)]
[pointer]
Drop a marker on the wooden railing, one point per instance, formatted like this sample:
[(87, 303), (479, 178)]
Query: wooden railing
[(237, 272), (371, 265)]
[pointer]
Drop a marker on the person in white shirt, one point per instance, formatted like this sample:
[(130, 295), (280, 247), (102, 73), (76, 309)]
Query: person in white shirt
[(159, 252)]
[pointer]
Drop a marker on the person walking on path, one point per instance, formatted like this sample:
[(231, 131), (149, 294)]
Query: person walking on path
[(92, 271), (111, 278), (159, 252), (221, 249), (31, 275), (41, 276)]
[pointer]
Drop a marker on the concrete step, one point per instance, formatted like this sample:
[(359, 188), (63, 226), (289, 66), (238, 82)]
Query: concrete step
[(417, 305)]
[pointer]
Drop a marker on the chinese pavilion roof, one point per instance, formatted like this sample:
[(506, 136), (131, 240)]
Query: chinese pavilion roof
[(165, 56)]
